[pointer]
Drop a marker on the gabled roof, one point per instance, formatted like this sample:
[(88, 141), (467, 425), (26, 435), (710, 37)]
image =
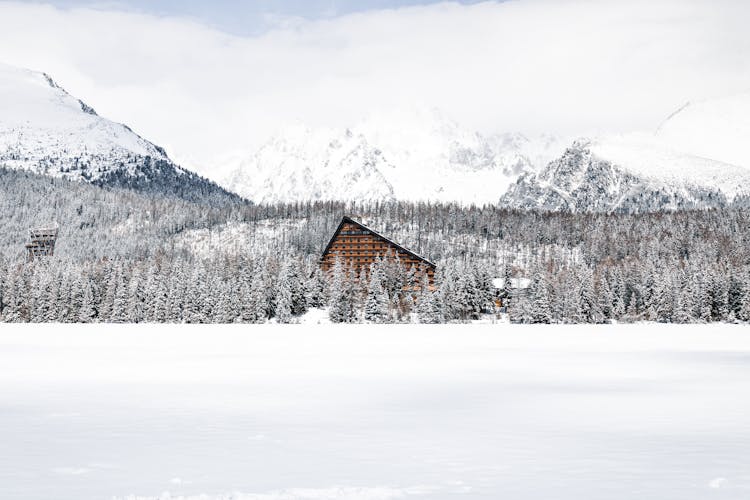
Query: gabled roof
[(348, 220)]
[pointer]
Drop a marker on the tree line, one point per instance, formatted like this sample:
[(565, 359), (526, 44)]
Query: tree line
[(123, 256)]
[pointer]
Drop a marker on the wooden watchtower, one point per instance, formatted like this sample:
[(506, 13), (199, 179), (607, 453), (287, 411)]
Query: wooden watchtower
[(42, 243)]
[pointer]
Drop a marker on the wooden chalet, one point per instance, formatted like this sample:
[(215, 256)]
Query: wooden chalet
[(42, 243), (358, 246)]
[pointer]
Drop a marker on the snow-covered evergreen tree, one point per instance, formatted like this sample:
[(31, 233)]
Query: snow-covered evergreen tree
[(87, 311), (540, 306), (377, 304), (341, 302), (285, 289)]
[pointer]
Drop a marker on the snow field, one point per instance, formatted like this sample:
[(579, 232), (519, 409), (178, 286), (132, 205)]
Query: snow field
[(370, 412)]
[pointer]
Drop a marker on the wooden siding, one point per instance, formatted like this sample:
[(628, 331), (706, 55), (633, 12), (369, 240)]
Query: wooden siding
[(42, 243), (358, 247)]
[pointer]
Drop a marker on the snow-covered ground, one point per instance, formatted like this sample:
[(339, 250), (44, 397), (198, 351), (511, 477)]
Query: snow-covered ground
[(372, 412)]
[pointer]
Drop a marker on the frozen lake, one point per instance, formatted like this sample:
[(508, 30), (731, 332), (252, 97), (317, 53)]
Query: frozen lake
[(372, 412)]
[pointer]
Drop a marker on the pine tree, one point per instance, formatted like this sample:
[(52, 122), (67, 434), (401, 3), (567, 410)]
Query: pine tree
[(297, 290), (506, 294), (427, 308), (224, 311), (446, 292), (255, 302), (704, 299), (682, 307), (136, 301), (315, 289), (87, 311), (588, 306), (3, 286), (632, 310), (662, 301), (16, 303), (540, 311), (744, 313), (376, 305), (120, 313), (618, 295), (193, 311), (284, 291), (341, 296), (464, 300), (605, 298), (160, 296)]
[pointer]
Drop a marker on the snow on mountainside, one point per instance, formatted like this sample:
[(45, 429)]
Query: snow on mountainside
[(307, 164), (46, 130), (698, 158), (414, 155), (649, 157), (717, 128), (631, 173)]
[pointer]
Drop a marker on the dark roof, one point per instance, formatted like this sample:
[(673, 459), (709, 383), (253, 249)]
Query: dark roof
[(346, 220)]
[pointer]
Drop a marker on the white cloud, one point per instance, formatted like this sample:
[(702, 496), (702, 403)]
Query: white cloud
[(563, 66)]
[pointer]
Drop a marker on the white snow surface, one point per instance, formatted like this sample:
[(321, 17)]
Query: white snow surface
[(701, 144), (40, 121), (365, 412), (650, 157), (417, 154), (714, 128)]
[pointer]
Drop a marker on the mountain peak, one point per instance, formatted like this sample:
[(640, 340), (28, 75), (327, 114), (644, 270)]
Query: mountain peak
[(416, 154), (46, 130)]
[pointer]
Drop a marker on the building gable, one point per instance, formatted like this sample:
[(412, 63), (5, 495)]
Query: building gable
[(359, 246)]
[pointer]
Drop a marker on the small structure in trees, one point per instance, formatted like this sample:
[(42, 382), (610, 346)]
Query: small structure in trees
[(42, 243), (507, 288), (357, 247)]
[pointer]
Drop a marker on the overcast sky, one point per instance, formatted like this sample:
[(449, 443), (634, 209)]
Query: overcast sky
[(205, 81), (245, 17)]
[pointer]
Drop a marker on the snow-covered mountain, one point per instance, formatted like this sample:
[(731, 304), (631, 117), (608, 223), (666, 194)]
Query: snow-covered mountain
[(46, 130), (716, 128), (685, 164), (627, 174), (313, 164), (405, 155)]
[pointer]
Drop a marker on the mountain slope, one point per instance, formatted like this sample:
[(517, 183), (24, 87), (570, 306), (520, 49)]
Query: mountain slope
[(306, 164), (46, 130), (716, 128), (699, 157), (417, 155), (433, 158), (628, 174)]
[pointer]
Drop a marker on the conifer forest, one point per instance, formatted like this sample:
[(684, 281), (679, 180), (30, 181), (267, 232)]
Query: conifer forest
[(127, 257)]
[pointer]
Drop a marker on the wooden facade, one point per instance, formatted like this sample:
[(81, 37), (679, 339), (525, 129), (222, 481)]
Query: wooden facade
[(42, 243), (358, 246)]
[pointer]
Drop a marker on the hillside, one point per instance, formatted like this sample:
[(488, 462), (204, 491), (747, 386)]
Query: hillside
[(628, 174), (713, 128), (698, 158), (47, 131), (415, 155)]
